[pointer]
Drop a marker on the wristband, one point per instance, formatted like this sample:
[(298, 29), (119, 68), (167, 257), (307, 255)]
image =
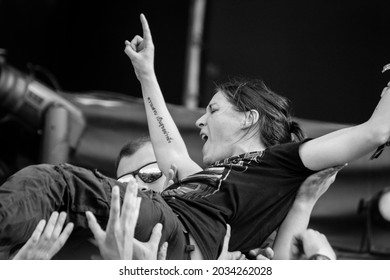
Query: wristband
[(319, 257)]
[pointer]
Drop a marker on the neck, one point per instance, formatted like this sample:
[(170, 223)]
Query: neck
[(249, 145)]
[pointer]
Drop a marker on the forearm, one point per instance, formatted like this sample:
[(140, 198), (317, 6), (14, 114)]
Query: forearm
[(380, 118), (340, 147), (345, 145), (295, 223), (168, 144)]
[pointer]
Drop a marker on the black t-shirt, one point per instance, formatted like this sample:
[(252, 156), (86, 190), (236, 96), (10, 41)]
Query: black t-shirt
[(252, 192)]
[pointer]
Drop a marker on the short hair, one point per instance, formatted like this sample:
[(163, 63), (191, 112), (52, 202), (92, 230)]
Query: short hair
[(131, 148), (275, 120)]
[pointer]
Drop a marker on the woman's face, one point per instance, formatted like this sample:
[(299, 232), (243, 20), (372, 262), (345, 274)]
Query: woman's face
[(220, 129)]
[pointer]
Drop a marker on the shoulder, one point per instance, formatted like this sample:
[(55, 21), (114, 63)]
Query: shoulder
[(286, 155), (290, 149)]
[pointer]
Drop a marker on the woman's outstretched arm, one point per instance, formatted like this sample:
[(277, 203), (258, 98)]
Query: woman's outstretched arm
[(168, 144), (348, 144)]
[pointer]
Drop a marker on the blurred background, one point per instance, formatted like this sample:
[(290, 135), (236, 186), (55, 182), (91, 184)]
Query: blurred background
[(68, 92)]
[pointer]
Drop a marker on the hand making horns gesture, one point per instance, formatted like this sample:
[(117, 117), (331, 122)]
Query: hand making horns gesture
[(141, 51)]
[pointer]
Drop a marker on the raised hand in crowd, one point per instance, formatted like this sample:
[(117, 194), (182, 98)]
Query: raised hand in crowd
[(297, 219), (225, 254), (259, 254), (117, 241), (262, 253), (313, 245), (316, 185), (172, 177), (45, 242), (149, 250)]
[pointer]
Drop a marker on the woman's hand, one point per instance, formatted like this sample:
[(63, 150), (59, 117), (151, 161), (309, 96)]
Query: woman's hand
[(45, 242), (141, 51)]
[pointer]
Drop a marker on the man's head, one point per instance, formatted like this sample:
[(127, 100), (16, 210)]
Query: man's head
[(136, 159)]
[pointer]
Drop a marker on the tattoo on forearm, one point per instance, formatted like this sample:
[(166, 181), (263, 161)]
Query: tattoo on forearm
[(160, 122)]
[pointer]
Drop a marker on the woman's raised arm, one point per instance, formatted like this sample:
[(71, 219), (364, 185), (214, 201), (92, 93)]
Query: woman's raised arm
[(168, 144)]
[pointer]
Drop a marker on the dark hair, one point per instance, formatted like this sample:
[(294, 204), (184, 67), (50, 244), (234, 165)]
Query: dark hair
[(130, 148), (275, 120)]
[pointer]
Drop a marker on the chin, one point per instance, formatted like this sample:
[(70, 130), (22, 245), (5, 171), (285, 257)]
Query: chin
[(207, 161), (210, 159)]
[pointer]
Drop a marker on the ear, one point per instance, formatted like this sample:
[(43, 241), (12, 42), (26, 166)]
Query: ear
[(251, 117)]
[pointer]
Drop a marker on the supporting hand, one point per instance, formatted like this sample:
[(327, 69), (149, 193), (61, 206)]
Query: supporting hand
[(117, 241), (298, 217), (317, 184), (225, 254), (262, 253), (311, 243), (148, 250), (45, 242), (171, 178)]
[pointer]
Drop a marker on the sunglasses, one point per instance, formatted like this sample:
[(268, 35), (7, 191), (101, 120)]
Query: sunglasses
[(148, 173)]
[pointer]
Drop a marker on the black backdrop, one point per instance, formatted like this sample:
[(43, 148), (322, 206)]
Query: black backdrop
[(326, 56), (82, 41)]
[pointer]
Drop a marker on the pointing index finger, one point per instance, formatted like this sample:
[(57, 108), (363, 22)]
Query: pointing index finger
[(145, 27)]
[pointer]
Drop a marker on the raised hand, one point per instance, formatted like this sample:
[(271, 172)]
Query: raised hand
[(317, 184), (262, 253), (148, 250), (298, 217), (117, 241), (141, 51), (45, 242), (162, 253), (311, 243), (172, 177)]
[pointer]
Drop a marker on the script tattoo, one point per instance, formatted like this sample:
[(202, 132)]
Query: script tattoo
[(160, 122)]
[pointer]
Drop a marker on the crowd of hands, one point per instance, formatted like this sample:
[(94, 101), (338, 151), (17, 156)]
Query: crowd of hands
[(117, 241)]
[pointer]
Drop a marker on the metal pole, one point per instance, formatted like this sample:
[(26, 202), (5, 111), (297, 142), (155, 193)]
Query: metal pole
[(193, 56)]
